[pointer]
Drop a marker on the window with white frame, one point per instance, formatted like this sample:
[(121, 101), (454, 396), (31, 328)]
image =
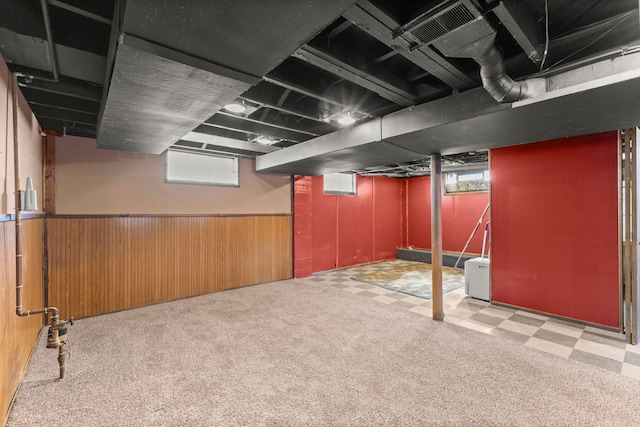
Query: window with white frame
[(342, 184), (191, 168), (467, 182)]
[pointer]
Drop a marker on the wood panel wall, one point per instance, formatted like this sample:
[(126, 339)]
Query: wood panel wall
[(104, 264), (19, 335)]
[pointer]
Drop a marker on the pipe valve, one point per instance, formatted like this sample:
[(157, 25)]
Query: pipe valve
[(57, 338), (57, 335)]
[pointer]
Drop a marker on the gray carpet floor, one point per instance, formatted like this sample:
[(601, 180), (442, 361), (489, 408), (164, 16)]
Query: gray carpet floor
[(300, 353)]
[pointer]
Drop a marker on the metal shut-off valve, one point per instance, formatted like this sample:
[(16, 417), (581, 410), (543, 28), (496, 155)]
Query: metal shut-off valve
[(57, 338)]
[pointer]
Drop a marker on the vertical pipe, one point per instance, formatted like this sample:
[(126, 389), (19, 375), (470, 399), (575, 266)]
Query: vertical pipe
[(16, 178), (55, 324), (50, 42), (20, 311), (436, 235)]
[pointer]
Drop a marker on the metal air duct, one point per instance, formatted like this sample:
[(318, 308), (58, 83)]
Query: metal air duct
[(459, 30)]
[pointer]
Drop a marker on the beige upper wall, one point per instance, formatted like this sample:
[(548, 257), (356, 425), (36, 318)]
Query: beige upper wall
[(30, 143), (93, 181)]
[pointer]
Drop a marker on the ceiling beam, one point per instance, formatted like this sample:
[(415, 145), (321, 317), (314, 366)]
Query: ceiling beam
[(313, 94), (359, 71), (386, 56), (473, 121), (239, 124), (80, 12), (306, 113), (33, 53), (522, 27), (64, 128), (191, 147), (41, 81), (339, 29), (266, 122), (63, 114), (224, 133), (228, 142), (376, 23), (69, 103)]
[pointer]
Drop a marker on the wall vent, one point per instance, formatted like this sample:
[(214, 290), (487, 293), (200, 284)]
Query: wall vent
[(437, 22)]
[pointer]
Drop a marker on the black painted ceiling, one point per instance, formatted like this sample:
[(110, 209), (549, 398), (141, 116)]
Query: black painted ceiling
[(355, 63)]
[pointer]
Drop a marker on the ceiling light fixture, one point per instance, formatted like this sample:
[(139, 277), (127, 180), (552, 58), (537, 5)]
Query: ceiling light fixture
[(235, 108), (266, 140), (346, 120)]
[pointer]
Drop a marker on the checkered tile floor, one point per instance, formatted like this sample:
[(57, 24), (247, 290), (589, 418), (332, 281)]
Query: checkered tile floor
[(587, 344)]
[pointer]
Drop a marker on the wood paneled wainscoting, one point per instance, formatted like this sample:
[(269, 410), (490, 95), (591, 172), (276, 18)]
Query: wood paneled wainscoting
[(102, 264), (18, 335)]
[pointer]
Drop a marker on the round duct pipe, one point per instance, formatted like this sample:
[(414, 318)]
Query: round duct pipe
[(499, 85)]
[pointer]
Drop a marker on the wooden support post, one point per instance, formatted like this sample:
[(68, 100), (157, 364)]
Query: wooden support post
[(626, 238), (49, 175), (634, 301), (436, 235), (629, 239)]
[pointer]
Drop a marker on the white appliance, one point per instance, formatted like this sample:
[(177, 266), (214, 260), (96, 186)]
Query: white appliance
[(476, 274), (476, 278)]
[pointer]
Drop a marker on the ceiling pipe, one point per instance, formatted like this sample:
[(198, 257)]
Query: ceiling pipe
[(52, 48)]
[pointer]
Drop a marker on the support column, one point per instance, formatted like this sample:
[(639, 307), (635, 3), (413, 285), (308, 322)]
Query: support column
[(49, 173), (436, 236), (628, 239)]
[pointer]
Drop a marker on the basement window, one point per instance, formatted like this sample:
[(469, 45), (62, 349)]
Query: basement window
[(340, 184), (204, 169), (467, 182)]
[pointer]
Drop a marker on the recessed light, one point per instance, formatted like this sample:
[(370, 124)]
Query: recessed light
[(346, 120), (235, 108), (264, 140)]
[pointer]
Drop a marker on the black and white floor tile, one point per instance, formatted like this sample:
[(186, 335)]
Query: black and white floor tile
[(566, 339)]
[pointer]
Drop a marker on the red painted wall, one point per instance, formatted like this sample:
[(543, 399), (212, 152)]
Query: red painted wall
[(388, 204), (555, 227), (302, 214), (346, 230), (355, 228), (460, 214)]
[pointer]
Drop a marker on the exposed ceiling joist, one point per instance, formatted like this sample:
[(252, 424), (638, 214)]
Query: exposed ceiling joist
[(237, 123), (77, 10), (62, 101), (381, 26), (33, 53), (64, 114), (358, 71), (67, 128), (319, 96), (302, 110), (265, 120), (65, 87), (522, 27), (357, 60), (472, 120), (228, 142)]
